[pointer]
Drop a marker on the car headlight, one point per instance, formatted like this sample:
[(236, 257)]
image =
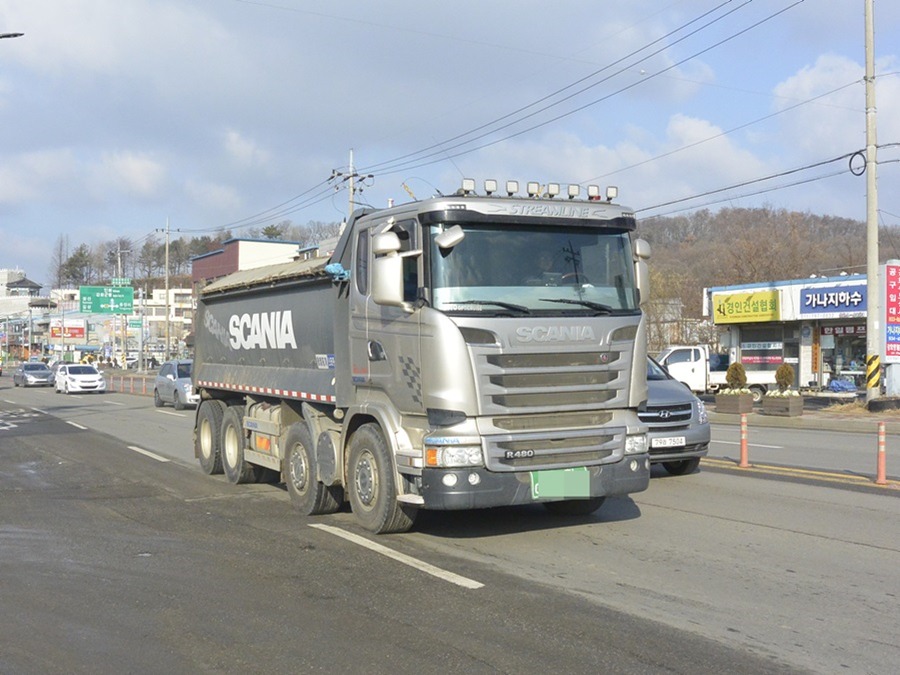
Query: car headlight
[(701, 412), (635, 444), (453, 456)]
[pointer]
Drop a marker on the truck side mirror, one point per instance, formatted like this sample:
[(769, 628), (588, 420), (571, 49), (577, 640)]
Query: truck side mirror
[(387, 270), (642, 269)]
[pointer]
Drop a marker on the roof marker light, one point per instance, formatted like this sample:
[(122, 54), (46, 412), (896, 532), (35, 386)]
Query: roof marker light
[(512, 187), (611, 193), (534, 189), (593, 192), (468, 186), (490, 186), (552, 190), (573, 191)]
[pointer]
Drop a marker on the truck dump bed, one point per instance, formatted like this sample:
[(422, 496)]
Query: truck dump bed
[(268, 330)]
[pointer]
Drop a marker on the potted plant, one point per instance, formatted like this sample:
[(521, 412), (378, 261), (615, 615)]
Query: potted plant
[(735, 398), (784, 400)]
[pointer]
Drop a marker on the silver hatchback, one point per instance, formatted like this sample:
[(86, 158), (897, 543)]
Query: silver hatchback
[(173, 385)]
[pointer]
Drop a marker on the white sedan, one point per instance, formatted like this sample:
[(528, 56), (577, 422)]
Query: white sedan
[(77, 377)]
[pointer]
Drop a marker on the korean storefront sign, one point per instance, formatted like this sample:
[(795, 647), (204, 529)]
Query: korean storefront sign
[(833, 302), (891, 275), (750, 307)]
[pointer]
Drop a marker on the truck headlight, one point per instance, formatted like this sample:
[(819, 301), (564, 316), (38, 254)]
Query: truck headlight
[(453, 456), (635, 444), (701, 412)]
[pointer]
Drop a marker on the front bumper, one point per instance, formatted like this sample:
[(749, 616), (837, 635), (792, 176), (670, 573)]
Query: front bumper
[(490, 488)]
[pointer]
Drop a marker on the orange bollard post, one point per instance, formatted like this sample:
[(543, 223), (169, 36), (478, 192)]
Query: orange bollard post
[(881, 464), (745, 461)]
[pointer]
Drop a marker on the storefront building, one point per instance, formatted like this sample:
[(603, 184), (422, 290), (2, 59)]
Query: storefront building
[(817, 325)]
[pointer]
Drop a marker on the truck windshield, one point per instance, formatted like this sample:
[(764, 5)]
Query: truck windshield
[(543, 270)]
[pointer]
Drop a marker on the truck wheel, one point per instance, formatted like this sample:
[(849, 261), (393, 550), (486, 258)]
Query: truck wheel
[(309, 496), (758, 393), (682, 467), (231, 441), (157, 401), (370, 484), (206, 440), (575, 507)]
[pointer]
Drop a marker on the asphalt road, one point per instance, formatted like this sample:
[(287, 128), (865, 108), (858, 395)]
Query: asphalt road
[(118, 555)]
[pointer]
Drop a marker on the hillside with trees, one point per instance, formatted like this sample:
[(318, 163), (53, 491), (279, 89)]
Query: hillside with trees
[(739, 246)]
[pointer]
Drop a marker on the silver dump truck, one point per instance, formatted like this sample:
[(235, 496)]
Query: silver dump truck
[(460, 352)]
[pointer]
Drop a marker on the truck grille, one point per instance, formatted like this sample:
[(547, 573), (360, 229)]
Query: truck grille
[(553, 382)]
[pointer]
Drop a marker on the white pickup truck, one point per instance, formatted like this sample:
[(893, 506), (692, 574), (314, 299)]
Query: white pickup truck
[(704, 371)]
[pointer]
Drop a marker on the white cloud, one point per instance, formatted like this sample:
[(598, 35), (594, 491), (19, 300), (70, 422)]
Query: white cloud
[(129, 173), (209, 196), (243, 150)]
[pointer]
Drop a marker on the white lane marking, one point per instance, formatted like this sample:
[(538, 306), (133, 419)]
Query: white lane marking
[(151, 455), (401, 557), (76, 425), (755, 445), (112, 402), (38, 410), (169, 412)]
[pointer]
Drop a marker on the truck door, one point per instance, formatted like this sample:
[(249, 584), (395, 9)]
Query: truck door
[(687, 365), (384, 341)]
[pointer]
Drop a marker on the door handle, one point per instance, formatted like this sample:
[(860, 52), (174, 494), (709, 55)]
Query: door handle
[(376, 351)]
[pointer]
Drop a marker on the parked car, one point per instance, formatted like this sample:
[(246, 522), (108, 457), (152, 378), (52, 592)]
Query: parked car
[(72, 378), (173, 385), (33, 374), (677, 421)]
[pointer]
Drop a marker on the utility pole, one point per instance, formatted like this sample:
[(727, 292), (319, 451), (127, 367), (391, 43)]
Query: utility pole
[(873, 310), (350, 177), (167, 357), (119, 252)]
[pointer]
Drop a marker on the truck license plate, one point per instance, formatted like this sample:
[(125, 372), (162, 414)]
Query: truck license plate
[(670, 442)]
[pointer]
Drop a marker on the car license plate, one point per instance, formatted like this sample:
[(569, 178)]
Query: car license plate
[(669, 442)]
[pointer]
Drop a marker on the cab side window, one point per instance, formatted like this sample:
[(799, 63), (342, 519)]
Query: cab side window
[(362, 262)]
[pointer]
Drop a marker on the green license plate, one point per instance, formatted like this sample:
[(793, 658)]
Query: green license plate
[(561, 483)]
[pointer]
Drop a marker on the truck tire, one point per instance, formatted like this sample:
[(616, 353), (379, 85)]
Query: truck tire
[(206, 440), (682, 466), (575, 507), (758, 392), (309, 496), (231, 442), (370, 484)]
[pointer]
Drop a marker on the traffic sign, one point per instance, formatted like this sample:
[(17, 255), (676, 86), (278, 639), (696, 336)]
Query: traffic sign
[(107, 299), (121, 281)]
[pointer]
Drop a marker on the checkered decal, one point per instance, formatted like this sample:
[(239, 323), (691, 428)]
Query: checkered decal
[(411, 375)]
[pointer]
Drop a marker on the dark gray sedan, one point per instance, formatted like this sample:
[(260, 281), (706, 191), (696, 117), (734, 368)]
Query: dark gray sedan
[(33, 374), (677, 421)]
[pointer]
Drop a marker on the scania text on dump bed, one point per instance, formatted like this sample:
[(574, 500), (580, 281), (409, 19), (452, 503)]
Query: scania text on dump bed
[(459, 352)]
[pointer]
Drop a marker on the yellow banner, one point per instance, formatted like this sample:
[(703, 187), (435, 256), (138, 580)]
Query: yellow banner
[(752, 307)]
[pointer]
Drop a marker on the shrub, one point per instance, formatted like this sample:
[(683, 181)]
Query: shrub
[(736, 376), (784, 377)]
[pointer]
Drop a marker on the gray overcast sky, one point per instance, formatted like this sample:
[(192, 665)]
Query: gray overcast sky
[(118, 114)]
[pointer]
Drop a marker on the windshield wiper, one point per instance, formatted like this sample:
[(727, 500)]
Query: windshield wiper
[(596, 306), (505, 305)]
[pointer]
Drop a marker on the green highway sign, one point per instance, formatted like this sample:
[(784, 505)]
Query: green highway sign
[(107, 299), (134, 323)]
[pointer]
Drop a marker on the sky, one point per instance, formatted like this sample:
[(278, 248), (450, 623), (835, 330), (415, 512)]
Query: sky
[(120, 116)]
